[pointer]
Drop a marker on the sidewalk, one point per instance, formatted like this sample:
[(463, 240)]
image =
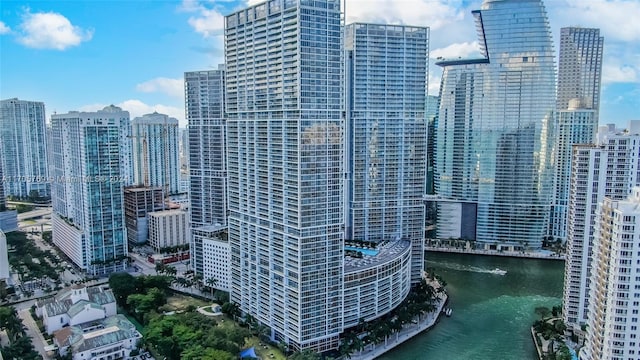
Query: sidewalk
[(408, 332), (33, 332), (519, 254)]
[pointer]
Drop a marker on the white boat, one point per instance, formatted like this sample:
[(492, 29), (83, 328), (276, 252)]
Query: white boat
[(448, 311), (498, 271)]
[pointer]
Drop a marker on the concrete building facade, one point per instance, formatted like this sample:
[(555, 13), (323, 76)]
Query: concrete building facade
[(285, 168), (168, 228), (204, 106), (138, 202), (614, 307), (606, 169)]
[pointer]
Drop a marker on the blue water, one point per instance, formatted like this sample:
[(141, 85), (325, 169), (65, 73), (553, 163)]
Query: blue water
[(370, 252), (492, 311)]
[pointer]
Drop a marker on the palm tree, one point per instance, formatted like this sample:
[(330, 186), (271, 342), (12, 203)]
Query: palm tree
[(212, 283), (160, 268), (170, 270)]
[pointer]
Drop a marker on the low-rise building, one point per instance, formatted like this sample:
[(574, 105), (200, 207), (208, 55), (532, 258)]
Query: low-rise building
[(111, 338), (76, 306), (214, 255)]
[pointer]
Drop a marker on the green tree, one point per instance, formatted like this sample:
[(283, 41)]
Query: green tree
[(3, 291), (231, 309), (122, 285), (543, 311), (11, 323), (47, 236), (144, 303), (212, 283), (305, 355), (200, 353)]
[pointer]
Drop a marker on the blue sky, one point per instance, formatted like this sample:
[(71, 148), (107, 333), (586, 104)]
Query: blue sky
[(84, 55)]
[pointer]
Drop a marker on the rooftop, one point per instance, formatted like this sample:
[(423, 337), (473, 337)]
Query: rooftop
[(387, 252), (96, 334)]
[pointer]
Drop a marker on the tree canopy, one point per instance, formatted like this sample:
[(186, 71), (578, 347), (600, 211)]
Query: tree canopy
[(192, 335)]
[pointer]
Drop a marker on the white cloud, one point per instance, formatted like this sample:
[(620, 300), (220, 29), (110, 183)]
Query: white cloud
[(432, 13), (613, 17), (208, 22), (50, 31), (616, 73), (434, 84), (171, 87), (455, 50), (4, 29), (138, 108)]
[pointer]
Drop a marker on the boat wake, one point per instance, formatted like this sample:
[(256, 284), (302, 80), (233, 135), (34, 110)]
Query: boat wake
[(458, 267)]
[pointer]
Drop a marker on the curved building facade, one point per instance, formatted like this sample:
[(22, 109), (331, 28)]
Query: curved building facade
[(375, 285), (494, 131)]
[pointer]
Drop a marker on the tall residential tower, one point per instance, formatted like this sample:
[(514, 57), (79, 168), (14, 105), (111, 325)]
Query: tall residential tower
[(285, 163), (24, 148), (606, 169), (574, 125), (386, 135), (577, 107), (155, 152), (204, 99), (580, 67), (614, 307), (493, 137), (90, 165)]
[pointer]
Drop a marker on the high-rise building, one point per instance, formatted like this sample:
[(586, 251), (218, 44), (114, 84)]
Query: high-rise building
[(184, 148), (574, 125), (580, 67), (24, 149), (578, 101), (204, 98), (605, 169), (8, 218), (4, 257), (168, 228), (493, 172), (285, 164), (431, 208), (614, 306), (155, 152), (91, 164), (431, 114), (386, 133), (138, 202)]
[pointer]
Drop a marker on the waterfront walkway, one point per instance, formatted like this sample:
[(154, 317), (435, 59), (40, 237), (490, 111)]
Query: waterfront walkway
[(372, 351), (543, 254)]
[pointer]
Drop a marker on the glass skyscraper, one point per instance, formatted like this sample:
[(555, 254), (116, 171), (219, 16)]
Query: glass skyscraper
[(24, 148), (386, 136), (90, 165), (285, 166), (493, 136)]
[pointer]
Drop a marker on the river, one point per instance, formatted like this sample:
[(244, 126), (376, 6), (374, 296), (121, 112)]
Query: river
[(492, 310)]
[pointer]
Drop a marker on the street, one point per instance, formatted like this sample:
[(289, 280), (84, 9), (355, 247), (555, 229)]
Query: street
[(33, 332)]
